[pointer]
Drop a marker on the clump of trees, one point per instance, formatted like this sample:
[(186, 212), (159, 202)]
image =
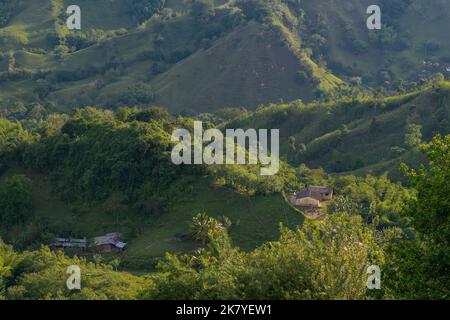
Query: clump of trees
[(16, 205), (202, 11), (138, 94), (258, 10), (142, 10), (41, 274), (12, 137)]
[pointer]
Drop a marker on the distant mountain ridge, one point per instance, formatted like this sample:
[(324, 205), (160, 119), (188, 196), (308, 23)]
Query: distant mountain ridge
[(194, 58), (198, 56)]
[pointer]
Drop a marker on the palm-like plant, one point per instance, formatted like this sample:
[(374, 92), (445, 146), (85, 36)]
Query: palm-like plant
[(201, 225)]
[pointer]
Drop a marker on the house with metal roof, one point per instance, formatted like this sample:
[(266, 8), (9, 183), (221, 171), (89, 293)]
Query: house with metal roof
[(65, 243), (110, 242)]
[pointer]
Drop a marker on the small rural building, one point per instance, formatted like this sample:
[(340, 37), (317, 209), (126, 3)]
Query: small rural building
[(65, 243), (306, 202), (111, 242), (309, 202), (316, 192), (311, 199)]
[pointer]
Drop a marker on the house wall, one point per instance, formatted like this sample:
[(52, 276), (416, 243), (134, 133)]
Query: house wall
[(309, 202), (322, 196), (105, 248), (293, 200), (327, 196)]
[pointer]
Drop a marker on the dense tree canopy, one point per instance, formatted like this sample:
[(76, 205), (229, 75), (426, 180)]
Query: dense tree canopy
[(15, 200)]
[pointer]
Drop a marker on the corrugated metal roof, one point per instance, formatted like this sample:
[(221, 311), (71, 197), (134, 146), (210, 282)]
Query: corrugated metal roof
[(120, 245), (63, 242), (113, 238)]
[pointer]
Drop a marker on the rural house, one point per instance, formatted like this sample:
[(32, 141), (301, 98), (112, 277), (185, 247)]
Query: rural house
[(317, 192), (110, 242), (310, 198), (309, 202), (65, 243)]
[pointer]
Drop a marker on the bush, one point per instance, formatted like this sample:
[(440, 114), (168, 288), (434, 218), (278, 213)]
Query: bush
[(138, 94)]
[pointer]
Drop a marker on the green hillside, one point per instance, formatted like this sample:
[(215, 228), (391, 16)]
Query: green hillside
[(192, 60), (411, 45), (363, 134), (189, 60)]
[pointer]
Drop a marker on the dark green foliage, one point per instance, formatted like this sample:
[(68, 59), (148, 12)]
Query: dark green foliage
[(7, 9), (358, 46), (431, 210), (393, 10), (15, 200), (41, 274), (420, 269), (413, 136), (227, 114), (12, 137), (146, 115), (255, 9), (142, 10), (202, 11), (138, 94), (96, 154)]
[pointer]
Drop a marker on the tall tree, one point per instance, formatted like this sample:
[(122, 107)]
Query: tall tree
[(420, 269)]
